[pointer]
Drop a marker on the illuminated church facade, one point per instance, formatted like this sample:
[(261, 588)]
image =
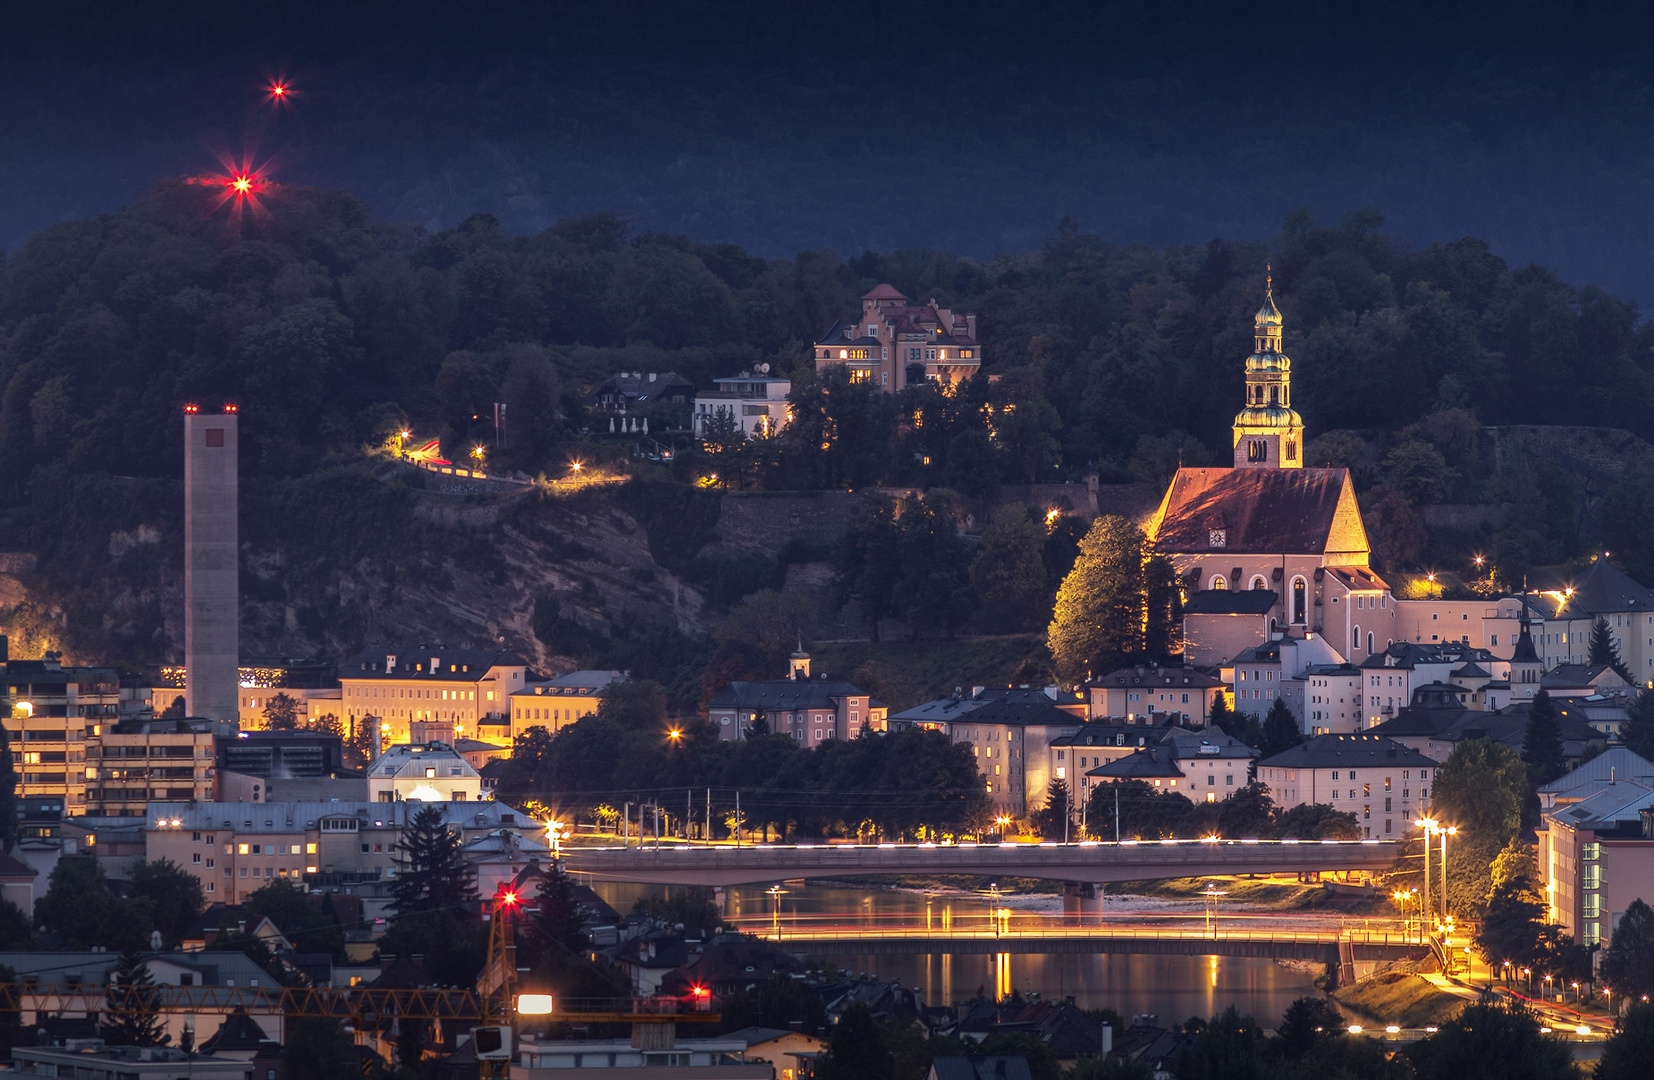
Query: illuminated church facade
[(1269, 524)]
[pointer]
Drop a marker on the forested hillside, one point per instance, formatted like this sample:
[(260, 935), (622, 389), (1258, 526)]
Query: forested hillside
[(333, 331)]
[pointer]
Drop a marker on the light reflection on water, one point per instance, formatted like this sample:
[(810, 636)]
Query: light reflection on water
[(1172, 987)]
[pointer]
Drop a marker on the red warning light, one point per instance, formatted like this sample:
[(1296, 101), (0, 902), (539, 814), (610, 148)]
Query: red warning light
[(700, 991), (278, 90), (192, 409), (509, 898), (242, 184), (230, 408)]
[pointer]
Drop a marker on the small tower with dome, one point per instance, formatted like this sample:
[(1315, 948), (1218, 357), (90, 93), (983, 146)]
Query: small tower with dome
[(1269, 434)]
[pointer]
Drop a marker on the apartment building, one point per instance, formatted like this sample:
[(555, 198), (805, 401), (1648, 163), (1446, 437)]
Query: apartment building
[(1383, 783), (458, 686), (1205, 766), (234, 849), (1145, 694), (1596, 844), (1093, 745), (1011, 739)]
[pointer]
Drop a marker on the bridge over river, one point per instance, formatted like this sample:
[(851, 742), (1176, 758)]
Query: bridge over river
[(1088, 862), (1329, 945)]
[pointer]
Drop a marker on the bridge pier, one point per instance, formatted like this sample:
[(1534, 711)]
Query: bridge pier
[(720, 897), (1082, 898)]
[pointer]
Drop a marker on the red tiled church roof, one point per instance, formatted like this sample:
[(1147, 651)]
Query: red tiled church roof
[(1259, 511)]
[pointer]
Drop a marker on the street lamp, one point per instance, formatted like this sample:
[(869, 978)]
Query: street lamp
[(776, 892), (1529, 973), (1211, 894)]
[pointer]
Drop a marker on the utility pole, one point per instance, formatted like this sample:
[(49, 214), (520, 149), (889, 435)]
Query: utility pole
[(1116, 813), (706, 837), (737, 817), (688, 812)]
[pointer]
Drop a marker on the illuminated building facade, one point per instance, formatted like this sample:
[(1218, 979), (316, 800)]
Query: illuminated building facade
[(234, 849), (1270, 524), (896, 344), (463, 687), (756, 403)]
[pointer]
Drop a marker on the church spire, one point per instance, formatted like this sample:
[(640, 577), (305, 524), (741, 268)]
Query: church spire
[(1268, 432)]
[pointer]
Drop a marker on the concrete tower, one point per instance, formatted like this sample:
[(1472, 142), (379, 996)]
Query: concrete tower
[(212, 638)]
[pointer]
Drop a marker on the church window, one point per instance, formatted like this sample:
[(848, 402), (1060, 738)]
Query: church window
[(1300, 600), (1274, 395), (1259, 583), (1355, 639), (1218, 584), (1291, 450), (1369, 642), (1257, 450)]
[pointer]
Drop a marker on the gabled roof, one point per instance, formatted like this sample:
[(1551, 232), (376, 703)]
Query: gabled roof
[(784, 695), (1612, 765), (1193, 745), (1357, 751), (1605, 589), (884, 291), (1574, 676), (1021, 714), (1610, 806), (1230, 602), (1097, 733), (1150, 763), (238, 1032), (1259, 511)]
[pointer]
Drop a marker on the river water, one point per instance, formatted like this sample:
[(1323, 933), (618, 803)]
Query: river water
[(1173, 988)]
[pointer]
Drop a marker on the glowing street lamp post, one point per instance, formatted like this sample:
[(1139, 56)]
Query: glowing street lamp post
[(776, 892)]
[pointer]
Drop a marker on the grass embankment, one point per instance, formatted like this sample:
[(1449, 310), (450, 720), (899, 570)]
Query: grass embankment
[(903, 674), (1399, 998), (1258, 894)]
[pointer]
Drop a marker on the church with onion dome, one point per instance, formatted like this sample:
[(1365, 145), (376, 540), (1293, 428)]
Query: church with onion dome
[(1270, 529)]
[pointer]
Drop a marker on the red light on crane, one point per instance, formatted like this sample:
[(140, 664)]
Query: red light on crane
[(509, 898)]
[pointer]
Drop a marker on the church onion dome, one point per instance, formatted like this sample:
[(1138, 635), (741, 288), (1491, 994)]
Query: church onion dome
[(1268, 361), (1269, 314), (1268, 416)]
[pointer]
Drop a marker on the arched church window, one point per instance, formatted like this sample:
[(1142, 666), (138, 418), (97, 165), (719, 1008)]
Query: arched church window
[(1257, 450), (1369, 642), (1355, 640), (1219, 584), (1259, 583), (1274, 393), (1300, 600)]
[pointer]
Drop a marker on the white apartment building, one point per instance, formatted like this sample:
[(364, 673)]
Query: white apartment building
[(757, 404)]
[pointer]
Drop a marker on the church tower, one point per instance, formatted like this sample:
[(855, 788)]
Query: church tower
[(1268, 433)]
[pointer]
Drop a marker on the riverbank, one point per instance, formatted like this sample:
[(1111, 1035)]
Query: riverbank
[(1400, 998)]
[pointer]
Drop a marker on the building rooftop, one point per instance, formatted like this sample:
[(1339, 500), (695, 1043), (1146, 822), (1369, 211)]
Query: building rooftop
[(1258, 511), (1179, 677), (1361, 750), (421, 662), (1149, 763), (1602, 589), (295, 816), (784, 695), (1612, 765)]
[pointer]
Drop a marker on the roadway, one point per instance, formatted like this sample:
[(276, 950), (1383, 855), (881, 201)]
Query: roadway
[(1091, 862), (1320, 945)]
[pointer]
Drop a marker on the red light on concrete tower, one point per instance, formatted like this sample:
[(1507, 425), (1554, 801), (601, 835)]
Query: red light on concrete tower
[(229, 408), (191, 409)]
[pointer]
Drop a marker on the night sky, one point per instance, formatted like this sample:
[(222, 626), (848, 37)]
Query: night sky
[(970, 127)]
